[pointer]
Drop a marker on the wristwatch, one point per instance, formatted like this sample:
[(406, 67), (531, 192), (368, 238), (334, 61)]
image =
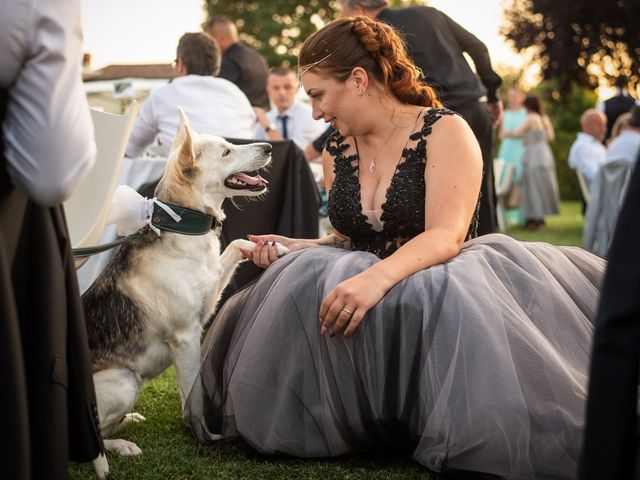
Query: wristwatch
[(269, 127)]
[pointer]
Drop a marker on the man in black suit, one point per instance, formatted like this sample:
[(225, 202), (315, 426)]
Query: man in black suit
[(241, 64), (437, 45), (611, 434), (620, 103)]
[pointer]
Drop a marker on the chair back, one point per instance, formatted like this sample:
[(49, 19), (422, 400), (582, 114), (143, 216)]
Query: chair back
[(584, 188), (88, 207), (503, 182)]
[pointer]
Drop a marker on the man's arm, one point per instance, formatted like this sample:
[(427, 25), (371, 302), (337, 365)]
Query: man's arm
[(480, 55), (48, 131)]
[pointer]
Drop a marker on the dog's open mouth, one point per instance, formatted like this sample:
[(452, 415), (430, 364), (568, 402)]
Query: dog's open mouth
[(242, 181)]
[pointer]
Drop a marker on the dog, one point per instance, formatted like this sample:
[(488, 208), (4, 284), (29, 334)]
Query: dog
[(147, 309)]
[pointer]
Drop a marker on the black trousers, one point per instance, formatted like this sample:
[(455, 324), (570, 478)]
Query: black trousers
[(479, 119)]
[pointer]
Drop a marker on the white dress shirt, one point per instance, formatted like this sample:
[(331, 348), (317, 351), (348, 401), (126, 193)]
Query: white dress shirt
[(586, 155), (301, 127), (625, 147), (213, 106), (48, 133)]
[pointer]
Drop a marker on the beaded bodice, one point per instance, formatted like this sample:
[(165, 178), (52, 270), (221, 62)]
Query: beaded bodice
[(403, 210)]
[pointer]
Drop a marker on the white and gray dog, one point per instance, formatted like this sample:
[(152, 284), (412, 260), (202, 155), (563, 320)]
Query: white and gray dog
[(147, 309)]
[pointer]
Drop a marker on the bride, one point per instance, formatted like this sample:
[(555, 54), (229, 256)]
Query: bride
[(401, 329)]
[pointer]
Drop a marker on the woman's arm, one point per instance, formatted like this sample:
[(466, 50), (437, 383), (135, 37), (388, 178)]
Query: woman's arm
[(452, 181), (551, 134), (521, 130)]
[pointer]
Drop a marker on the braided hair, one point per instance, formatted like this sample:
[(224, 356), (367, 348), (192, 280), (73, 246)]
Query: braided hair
[(346, 43)]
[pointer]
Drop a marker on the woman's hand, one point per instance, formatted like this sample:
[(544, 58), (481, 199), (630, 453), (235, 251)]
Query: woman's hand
[(347, 304), (265, 252)]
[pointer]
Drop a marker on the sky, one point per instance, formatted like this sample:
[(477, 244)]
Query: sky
[(147, 31)]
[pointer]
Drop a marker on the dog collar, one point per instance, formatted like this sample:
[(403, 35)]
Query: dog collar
[(191, 222)]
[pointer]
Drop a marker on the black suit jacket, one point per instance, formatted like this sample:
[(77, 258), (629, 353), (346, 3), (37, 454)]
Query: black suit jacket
[(616, 106), (611, 434), (47, 394), (437, 44), (248, 70)]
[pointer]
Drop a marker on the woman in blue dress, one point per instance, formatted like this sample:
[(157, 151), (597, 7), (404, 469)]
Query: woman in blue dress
[(400, 330), (511, 148)]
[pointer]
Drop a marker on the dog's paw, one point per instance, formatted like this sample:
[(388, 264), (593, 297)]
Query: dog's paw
[(101, 466), (132, 417), (122, 447), (242, 243)]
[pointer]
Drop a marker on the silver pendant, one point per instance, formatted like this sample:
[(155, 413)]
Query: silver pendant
[(372, 166)]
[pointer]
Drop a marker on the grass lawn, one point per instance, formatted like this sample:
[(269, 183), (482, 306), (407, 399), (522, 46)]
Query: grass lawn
[(563, 229), (170, 452)]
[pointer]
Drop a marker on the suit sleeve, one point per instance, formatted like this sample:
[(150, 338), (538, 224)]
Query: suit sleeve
[(479, 53)]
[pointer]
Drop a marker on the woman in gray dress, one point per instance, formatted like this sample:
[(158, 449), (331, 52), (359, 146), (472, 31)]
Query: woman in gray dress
[(540, 195), (399, 330)]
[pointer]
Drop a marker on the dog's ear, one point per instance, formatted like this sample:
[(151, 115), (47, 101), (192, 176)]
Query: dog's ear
[(183, 144)]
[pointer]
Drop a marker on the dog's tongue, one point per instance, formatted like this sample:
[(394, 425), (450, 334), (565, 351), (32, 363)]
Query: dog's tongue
[(243, 177)]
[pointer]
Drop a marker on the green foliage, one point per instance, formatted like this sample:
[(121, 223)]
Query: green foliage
[(571, 36), (277, 28)]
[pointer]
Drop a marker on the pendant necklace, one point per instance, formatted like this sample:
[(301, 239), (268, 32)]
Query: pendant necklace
[(372, 164)]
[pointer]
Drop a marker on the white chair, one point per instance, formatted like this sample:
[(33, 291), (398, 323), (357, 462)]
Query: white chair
[(584, 188), (88, 207), (503, 181)]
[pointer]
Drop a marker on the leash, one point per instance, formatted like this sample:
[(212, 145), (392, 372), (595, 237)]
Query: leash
[(164, 217)]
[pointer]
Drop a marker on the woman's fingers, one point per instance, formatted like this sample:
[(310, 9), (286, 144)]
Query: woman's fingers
[(344, 316), (355, 320)]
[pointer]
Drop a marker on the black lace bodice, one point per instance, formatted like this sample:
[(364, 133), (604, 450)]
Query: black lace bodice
[(403, 210)]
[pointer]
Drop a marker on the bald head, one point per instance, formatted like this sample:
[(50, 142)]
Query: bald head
[(594, 122), (224, 31)]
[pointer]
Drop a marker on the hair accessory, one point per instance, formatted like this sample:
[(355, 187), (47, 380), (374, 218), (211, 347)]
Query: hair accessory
[(306, 68)]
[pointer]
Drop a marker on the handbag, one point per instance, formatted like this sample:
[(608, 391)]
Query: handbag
[(512, 199)]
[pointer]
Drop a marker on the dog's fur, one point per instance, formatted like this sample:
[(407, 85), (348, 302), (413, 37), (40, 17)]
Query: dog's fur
[(147, 309)]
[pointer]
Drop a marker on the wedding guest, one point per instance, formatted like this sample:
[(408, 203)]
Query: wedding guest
[(587, 152), (214, 105), (540, 196), (240, 64), (511, 148), (46, 150), (370, 338), (609, 187), (615, 106), (290, 119), (437, 46)]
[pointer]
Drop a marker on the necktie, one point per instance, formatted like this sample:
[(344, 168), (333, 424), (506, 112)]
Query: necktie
[(283, 119)]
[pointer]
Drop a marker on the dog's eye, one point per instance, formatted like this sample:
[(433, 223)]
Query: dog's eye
[(226, 152)]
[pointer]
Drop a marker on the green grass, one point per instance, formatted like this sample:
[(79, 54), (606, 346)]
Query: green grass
[(563, 229), (170, 452)]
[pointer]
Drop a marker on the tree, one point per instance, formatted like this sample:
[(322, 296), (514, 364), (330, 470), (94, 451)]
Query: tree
[(277, 28), (579, 39)]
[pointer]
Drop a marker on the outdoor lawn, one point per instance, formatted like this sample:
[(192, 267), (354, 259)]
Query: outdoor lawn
[(170, 452)]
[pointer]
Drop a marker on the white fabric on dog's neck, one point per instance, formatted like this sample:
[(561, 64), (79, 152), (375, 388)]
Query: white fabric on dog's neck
[(130, 211)]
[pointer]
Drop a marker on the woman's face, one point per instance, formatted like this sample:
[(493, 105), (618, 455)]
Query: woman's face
[(515, 98), (333, 101)]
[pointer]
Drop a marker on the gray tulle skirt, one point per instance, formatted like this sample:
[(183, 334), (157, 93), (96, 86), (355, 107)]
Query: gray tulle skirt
[(477, 364)]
